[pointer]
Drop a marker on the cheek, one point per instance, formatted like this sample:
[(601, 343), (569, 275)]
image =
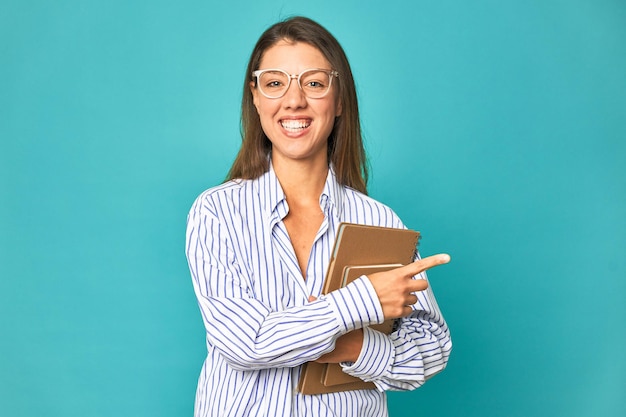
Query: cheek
[(265, 113), (331, 112)]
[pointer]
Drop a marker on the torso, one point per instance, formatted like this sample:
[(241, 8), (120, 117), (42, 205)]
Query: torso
[(303, 223)]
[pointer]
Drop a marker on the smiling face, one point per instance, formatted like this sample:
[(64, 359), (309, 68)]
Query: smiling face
[(297, 126)]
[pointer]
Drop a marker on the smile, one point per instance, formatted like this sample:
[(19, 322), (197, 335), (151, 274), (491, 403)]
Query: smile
[(295, 125)]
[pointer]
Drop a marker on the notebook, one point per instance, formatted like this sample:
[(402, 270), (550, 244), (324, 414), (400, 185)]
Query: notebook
[(358, 250)]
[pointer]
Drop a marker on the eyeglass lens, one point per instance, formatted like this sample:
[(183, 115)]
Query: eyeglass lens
[(314, 83)]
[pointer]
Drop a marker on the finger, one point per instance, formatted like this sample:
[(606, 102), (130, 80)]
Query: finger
[(415, 285), (311, 299), (424, 264), (411, 300), (407, 311)]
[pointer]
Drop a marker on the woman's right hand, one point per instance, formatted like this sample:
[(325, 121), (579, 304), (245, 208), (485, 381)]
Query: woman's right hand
[(395, 288)]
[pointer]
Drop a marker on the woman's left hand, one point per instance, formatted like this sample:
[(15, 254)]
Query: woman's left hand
[(347, 348)]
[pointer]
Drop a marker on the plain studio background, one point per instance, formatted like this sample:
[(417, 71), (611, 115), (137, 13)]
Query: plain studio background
[(495, 128)]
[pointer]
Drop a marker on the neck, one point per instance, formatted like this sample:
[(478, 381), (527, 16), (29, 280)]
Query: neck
[(302, 181)]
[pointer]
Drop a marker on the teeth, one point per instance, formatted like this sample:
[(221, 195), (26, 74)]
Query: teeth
[(294, 124)]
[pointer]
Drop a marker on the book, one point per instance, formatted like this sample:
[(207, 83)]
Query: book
[(333, 374), (357, 248)]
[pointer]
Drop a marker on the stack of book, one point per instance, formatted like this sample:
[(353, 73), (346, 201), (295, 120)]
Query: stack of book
[(358, 250)]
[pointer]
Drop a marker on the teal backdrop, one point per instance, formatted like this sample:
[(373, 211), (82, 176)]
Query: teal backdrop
[(497, 129)]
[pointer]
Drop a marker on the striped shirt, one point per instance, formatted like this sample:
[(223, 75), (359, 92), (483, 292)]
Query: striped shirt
[(260, 326)]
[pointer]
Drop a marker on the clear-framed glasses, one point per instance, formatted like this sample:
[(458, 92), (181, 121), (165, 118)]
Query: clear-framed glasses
[(314, 83)]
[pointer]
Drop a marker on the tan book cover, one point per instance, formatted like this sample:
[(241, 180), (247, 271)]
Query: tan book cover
[(333, 374), (357, 246)]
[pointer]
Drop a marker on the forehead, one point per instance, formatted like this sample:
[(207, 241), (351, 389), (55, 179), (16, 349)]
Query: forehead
[(293, 57)]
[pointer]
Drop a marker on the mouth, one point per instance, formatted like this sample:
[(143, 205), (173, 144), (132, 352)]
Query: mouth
[(295, 125)]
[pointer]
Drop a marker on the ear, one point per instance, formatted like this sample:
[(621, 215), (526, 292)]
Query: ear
[(255, 95), (339, 108)]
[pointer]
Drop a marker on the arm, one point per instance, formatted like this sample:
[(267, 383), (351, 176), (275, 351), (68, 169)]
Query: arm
[(417, 350), (242, 328)]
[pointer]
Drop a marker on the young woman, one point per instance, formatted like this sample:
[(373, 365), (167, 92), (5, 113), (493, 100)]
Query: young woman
[(258, 247)]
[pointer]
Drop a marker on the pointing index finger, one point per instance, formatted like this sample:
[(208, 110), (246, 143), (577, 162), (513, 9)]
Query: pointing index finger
[(424, 264)]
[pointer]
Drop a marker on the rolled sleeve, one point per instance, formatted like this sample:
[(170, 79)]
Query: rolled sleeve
[(356, 305), (376, 357)]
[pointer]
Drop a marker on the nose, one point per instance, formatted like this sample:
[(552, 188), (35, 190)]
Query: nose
[(294, 97)]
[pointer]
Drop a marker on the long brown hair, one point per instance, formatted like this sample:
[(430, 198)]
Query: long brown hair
[(345, 144)]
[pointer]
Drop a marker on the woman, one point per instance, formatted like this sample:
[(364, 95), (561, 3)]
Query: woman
[(258, 247)]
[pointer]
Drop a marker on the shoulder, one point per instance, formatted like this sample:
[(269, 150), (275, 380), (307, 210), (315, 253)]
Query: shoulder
[(361, 208), (220, 196)]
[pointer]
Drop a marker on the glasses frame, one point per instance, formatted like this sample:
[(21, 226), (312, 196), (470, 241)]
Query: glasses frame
[(332, 74)]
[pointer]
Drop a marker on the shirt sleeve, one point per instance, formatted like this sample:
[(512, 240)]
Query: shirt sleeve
[(248, 333), (405, 359)]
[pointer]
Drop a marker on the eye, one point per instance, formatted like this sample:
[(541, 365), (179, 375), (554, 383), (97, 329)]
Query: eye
[(273, 84), (315, 81), (273, 80), (313, 84)]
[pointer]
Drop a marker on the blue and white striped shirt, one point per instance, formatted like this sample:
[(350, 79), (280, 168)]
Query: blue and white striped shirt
[(260, 326)]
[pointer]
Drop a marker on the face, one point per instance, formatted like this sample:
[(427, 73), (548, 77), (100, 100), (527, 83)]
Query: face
[(297, 126)]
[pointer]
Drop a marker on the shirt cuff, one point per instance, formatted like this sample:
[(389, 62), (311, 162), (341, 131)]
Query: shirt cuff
[(377, 355), (356, 305)]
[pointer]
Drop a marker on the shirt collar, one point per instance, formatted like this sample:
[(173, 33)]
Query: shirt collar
[(271, 194), (274, 202), (331, 200)]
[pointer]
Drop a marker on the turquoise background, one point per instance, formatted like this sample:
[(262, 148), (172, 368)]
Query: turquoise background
[(496, 128)]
